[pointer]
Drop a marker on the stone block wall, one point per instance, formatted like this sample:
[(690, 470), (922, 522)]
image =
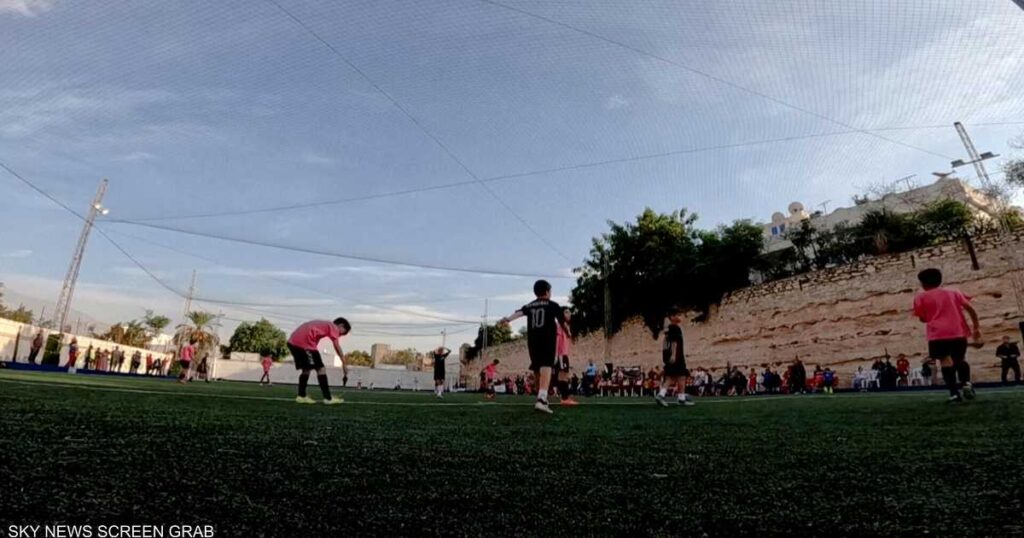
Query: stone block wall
[(843, 317)]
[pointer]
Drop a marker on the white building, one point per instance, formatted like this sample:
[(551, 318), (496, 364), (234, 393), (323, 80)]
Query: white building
[(908, 201)]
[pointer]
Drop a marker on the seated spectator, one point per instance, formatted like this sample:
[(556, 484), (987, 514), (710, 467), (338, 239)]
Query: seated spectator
[(927, 366), (860, 379), (902, 370)]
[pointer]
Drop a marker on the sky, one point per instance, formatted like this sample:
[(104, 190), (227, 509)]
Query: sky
[(521, 127)]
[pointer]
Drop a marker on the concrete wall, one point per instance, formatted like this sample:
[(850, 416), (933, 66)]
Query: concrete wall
[(9, 330), (285, 372), (842, 317)]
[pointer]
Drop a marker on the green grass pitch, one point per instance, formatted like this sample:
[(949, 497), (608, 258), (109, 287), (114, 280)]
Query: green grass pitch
[(251, 462)]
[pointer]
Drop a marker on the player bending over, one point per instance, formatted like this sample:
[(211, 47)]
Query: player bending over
[(942, 311), (542, 319), (672, 355), (303, 345)]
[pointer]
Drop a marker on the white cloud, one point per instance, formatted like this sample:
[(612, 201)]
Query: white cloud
[(26, 8), (136, 156), (33, 112), (310, 157), (23, 253), (616, 102)]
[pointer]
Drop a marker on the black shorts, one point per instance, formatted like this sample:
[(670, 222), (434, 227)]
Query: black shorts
[(306, 359), (677, 369), (955, 349), (542, 356), (185, 365), (439, 373)]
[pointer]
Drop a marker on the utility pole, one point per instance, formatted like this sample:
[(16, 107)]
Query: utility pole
[(606, 276), (1010, 255), (67, 291), (444, 337), (191, 293), (483, 349)]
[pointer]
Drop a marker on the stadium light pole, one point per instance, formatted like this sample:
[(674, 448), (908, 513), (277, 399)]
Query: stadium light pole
[(67, 291), (1011, 256)]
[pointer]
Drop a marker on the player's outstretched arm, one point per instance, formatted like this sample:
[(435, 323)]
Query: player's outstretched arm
[(507, 319), (341, 355)]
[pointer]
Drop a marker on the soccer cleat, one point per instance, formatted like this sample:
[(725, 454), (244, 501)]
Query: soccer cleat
[(542, 406), (968, 391), (954, 399), (304, 400), (661, 400), (334, 401), (687, 402), (440, 397), (569, 402)]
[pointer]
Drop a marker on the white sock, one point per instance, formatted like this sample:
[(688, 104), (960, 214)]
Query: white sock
[(542, 395), (662, 392)]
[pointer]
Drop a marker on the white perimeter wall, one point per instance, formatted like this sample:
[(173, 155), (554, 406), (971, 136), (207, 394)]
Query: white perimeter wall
[(9, 330), (285, 372)]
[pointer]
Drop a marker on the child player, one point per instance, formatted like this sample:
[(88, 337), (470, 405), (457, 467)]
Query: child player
[(303, 345), (490, 377), (675, 361), (440, 354), (542, 319), (564, 347), (942, 311)]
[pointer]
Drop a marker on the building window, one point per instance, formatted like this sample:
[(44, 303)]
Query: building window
[(775, 230), (782, 228)]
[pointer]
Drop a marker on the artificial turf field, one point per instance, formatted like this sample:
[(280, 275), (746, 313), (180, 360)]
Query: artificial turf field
[(251, 462)]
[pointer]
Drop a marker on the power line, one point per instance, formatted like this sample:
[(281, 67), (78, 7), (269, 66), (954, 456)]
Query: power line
[(706, 75), (310, 288), (543, 171), (444, 147), (307, 250)]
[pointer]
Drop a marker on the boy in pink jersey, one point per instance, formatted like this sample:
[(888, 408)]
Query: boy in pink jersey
[(303, 345), (942, 311), (266, 362), (188, 352), (563, 346), (490, 374)]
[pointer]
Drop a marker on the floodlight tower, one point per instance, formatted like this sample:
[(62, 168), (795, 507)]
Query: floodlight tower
[(67, 291)]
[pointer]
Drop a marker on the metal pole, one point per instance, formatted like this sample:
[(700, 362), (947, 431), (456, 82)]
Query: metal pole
[(1010, 255), (483, 350), (607, 310), (191, 293), (67, 291)]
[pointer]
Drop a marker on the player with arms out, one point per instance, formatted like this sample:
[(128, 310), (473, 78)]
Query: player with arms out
[(440, 355), (672, 355), (303, 346), (942, 310), (542, 319)]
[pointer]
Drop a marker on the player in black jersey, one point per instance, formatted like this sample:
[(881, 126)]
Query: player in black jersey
[(672, 355), (542, 317), (440, 354)]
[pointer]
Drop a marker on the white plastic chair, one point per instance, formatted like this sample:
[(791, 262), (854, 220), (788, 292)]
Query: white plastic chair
[(872, 379), (915, 377)]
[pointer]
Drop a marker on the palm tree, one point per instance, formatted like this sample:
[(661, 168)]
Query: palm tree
[(200, 331)]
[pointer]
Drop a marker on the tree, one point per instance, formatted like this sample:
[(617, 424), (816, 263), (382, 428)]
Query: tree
[(945, 220), (496, 335), (1015, 172), (127, 333), (661, 260), (156, 324), (358, 358), (261, 337), (405, 356), (20, 315), (199, 330)]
